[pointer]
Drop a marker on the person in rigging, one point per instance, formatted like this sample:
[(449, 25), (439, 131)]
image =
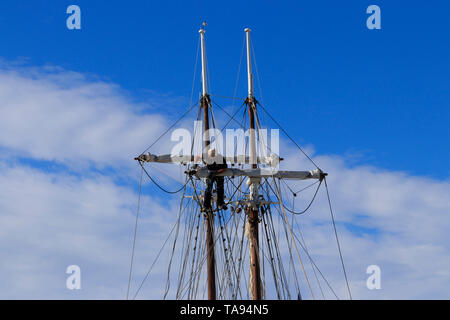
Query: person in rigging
[(215, 164)]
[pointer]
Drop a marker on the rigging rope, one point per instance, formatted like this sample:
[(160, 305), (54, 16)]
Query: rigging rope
[(307, 187), (231, 116), (227, 97), (309, 205), (293, 212), (158, 185), (337, 239), (290, 138), (195, 68), (135, 232), (305, 248), (290, 253), (156, 259), (173, 252), (317, 268), (270, 250), (276, 122), (168, 129), (295, 244), (307, 253), (215, 238), (239, 72)]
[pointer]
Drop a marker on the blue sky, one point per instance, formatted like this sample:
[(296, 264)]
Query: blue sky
[(381, 95), (371, 106)]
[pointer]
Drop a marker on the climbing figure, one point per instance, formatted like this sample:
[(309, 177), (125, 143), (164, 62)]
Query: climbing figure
[(215, 165)]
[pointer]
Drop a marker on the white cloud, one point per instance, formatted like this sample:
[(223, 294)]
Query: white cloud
[(391, 219), (53, 114), (50, 221)]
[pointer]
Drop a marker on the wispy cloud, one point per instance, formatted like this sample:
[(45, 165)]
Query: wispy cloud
[(56, 115)]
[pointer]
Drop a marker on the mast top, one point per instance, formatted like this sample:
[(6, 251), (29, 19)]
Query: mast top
[(204, 81), (249, 65)]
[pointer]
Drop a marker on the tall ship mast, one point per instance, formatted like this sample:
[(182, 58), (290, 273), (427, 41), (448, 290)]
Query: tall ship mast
[(236, 234)]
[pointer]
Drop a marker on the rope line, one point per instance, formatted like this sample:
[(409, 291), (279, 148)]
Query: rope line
[(290, 138), (135, 232), (309, 205), (158, 185), (238, 73), (337, 239), (173, 125), (295, 244), (156, 259)]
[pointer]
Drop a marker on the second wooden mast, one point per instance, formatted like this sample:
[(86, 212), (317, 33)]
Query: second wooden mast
[(253, 209)]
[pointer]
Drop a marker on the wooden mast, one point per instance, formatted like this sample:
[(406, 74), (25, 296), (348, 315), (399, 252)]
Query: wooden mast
[(204, 101), (253, 218)]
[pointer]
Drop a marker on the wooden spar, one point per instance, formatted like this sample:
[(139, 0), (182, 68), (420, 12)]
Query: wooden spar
[(210, 260), (253, 218), (273, 160)]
